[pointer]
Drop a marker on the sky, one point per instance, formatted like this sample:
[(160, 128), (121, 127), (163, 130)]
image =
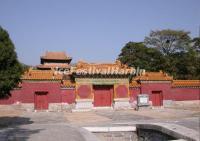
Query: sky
[(91, 30)]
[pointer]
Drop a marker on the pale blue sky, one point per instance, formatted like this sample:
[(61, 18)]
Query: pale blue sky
[(90, 30)]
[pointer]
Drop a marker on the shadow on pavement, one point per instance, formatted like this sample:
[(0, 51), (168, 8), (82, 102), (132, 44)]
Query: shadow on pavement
[(11, 129)]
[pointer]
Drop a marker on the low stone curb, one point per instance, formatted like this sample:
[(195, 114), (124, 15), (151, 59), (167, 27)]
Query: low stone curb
[(111, 129), (174, 130), (88, 136)]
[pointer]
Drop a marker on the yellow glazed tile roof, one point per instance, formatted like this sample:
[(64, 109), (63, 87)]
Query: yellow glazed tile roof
[(41, 75), (154, 76), (134, 84), (67, 84), (186, 83), (82, 64), (84, 68)]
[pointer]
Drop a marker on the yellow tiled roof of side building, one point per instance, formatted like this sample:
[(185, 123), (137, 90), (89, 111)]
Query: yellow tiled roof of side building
[(67, 84), (134, 83), (186, 83), (154, 76), (32, 74)]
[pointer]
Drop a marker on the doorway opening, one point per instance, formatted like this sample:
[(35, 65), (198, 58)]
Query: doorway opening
[(103, 95), (41, 100), (157, 98)]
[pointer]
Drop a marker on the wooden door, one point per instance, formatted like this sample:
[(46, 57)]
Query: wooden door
[(41, 101), (157, 98), (103, 95)]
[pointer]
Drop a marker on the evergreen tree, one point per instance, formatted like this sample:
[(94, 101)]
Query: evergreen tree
[(10, 68)]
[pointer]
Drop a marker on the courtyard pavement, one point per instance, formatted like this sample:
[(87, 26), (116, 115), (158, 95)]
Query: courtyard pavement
[(187, 118), (39, 126)]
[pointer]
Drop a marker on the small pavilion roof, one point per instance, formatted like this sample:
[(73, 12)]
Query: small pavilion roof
[(56, 56)]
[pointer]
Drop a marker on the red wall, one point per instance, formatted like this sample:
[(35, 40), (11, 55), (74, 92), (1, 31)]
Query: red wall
[(57, 95), (169, 93), (181, 94), (84, 91), (147, 88), (29, 88), (26, 93), (121, 91), (68, 95), (133, 93)]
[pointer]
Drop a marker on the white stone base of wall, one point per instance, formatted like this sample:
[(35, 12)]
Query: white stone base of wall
[(23, 106), (102, 108), (182, 104), (60, 107), (122, 103), (19, 106), (54, 107), (84, 104), (28, 106), (168, 103)]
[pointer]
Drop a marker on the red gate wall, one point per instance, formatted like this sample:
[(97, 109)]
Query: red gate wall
[(181, 94), (57, 95), (68, 95), (147, 88), (121, 91), (26, 93), (133, 93), (84, 91)]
